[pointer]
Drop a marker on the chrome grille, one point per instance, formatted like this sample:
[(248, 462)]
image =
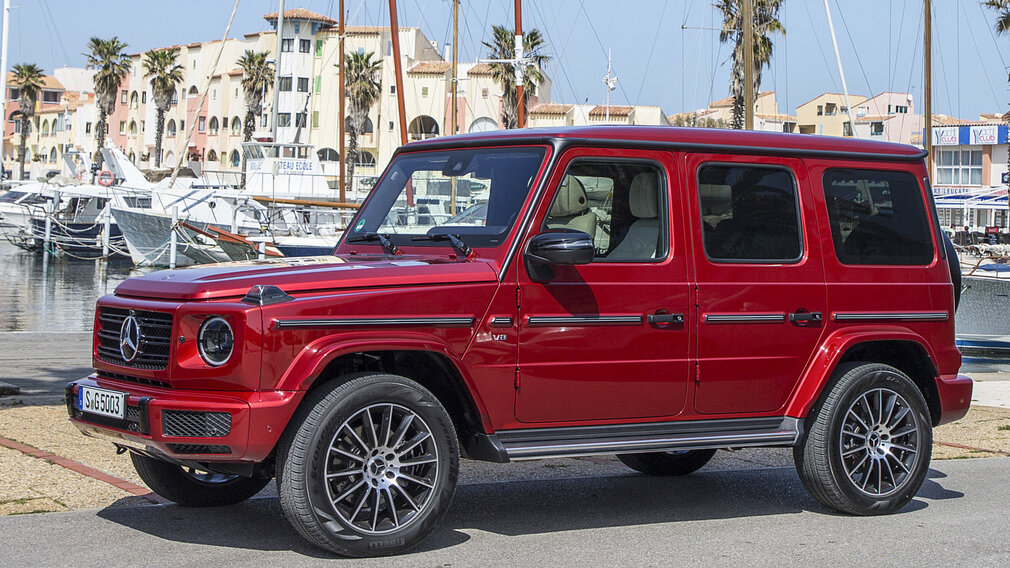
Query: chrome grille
[(193, 424), (155, 338)]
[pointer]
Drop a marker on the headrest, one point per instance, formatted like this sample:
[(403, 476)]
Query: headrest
[(571, 200), (644, 196)]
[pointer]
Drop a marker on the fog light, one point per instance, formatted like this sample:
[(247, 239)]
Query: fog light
[(216, 341)]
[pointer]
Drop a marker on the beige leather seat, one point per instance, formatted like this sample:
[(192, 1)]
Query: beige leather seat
[(571, 209), (642, 240)]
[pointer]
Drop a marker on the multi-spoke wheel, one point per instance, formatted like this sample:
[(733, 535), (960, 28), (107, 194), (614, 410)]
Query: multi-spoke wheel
[(195, 488), (371, 468), (868, 443), (680, 462)]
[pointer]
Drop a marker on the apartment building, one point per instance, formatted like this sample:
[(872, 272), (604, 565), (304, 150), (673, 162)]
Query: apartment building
[(556, 114), (720, 113), (827, 114), (889, 117)]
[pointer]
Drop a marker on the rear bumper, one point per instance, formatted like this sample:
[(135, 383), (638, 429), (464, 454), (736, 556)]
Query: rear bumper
[(955, 397), (256, 420)]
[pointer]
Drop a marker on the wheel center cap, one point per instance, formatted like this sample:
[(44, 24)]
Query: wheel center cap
[(873, 440)]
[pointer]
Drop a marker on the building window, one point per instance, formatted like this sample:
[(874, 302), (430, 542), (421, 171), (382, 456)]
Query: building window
[(287, 45), (901, 109), (263, 121), (213, 125), (182, 126), (831, 109), (213, 94), (15, 93), (50, 96), (304, 45), (303, 84), (846, 128), (143, 126), (319, 48), (285, 84), (122, 127), (392, 89), (236, 93), (201, 124), (224, 123), (87, 128), (424, 91), (959, 167), (143, 98), (389, 48), (820, 110), (999, 218), (843, 110), (298, 27), (315, 119), (319, 83), (283, 119), (123, 97), (391, 125), (300, 120), (876, 129)]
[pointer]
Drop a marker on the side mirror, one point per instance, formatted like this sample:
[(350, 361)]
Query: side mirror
[(560, 248)]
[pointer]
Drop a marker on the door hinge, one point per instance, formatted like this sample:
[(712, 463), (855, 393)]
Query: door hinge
[(517, 379), (697, 372)]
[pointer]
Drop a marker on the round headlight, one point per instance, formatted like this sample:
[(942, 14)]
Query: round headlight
[(216, 341)]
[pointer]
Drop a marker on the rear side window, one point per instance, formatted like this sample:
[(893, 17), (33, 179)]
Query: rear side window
[(749, 213), (877, 217)]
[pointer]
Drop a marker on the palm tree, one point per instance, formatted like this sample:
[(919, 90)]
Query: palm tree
[(161, 66), (28, 79), (502, 46), (1003, 20), (765, 23), (361, 81), (108, 58), (257, 76)]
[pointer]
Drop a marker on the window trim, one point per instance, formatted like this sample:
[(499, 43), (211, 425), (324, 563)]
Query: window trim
[(798, 206), (664, 205)]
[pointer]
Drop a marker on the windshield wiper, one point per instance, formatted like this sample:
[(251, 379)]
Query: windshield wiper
[(457, 243), (383, 240)]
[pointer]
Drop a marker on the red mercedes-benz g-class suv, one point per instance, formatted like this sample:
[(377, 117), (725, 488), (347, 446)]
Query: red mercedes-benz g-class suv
[(655, 293)]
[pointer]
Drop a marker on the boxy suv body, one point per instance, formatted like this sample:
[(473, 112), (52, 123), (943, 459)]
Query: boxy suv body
[(655, 293)]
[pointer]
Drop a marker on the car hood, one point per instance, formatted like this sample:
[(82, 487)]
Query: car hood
[(293, 275)]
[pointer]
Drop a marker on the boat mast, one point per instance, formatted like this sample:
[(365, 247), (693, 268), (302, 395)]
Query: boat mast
[(748, 64), (340, 127), (455, 93), (928, 86), (277, 69), (610, 80), (838, 59), (3, 60), (394, 30), (520, 70)]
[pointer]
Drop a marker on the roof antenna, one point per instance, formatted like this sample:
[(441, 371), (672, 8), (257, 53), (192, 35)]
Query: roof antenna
[(610, 80)]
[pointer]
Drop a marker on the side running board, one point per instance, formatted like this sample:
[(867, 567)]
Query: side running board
[(513, 445)]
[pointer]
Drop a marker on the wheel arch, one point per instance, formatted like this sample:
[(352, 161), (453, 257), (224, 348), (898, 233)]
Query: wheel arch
[(899, 348)]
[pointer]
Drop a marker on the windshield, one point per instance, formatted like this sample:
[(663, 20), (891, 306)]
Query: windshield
[(473, 193)]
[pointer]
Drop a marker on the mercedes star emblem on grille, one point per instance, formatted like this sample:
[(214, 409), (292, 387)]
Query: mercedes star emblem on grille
[(129, 338)]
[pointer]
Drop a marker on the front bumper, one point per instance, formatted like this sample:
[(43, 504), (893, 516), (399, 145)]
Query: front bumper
[(257, 419), (955, 397)]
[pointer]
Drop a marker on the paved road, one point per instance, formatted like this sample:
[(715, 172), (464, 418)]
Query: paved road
[(735, 518), (42, 363)]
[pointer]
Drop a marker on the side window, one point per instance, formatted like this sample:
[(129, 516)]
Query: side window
[(877, 217), (749, 213), (618, 203)]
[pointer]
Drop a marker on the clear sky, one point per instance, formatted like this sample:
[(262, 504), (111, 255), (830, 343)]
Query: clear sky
[(664, 53)]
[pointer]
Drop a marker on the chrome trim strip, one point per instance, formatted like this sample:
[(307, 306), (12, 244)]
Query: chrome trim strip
[(584, 320), (891, 316), (744, 318), (372, 322), (695, 441), (501, 321)]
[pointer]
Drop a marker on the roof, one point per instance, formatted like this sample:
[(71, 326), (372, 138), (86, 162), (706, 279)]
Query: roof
[(48, 82), (480, 69), (430, 68), (364, 30), (739, 141), (728, 101), (862, 98), (550, 110), (301, 14), (601, 110), (784, 117), (879, 118)]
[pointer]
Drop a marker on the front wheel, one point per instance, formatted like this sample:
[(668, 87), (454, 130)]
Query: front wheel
[(193, 488), (371, 467), (680, 462), (869, 440)]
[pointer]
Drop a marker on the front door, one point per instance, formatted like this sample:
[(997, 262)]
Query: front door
[(761, 293), (608, 340)]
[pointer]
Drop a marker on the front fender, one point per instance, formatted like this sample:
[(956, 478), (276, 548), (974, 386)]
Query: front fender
[(817, 373)]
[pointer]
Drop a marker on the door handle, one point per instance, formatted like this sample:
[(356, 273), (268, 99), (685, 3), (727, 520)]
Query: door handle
[(806, 317), (665, 319)]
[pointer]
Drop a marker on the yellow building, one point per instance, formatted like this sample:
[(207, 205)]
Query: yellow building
[(827, 114)]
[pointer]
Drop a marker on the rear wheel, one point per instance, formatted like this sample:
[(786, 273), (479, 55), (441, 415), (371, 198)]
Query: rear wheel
[(869, 440), (668, 463), (194, 488), (371, 467)]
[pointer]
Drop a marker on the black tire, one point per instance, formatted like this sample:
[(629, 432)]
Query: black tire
[(312, 476), (191, 488), (859, 455), (668, 463)]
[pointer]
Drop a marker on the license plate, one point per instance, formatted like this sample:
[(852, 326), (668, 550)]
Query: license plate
[(102, 402)]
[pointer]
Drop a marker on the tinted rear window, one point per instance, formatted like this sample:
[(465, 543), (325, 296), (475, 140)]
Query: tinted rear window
[(877, 217)]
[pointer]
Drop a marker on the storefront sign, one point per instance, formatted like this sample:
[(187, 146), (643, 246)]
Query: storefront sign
[(946, 136), (981, 135)]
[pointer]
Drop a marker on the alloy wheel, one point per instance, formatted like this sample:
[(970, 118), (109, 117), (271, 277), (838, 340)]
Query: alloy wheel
[(879, 442)]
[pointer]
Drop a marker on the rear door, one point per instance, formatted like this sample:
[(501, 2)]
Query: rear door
[(760, 282)]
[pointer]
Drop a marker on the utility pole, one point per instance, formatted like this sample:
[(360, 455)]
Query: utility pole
[(520, 66), (342, 112), (928, 87), (748, 63), (277, 70)]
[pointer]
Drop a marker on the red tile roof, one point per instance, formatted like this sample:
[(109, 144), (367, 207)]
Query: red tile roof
[(728, 101), (481, 69), (550, 110), (430, 68), (601, 111), (48, 82), (301, 14)]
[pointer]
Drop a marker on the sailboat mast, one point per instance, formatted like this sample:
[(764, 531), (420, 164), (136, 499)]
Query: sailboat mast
[(838, 59), (341, 113), (455, 64), (3, 59), (748, 63), (277, 69), (928, 85), (520, 71), (394, 30)]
